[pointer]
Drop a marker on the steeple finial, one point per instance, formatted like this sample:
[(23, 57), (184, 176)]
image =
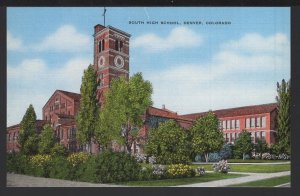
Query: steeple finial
[(104, 11)]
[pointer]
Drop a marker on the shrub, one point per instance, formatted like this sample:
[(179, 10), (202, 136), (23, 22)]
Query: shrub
[(16, 162), (152, 160), (140, 158), (159, 171), (39, 165), (146, 174), (110, 167), (214, 157), (222, 167), (200, 171), (226, 151), (76, 159), (266, 156), (60, 168), (180, 171), (283, 156), (198, 158), (246, 157), (58, 150), (77, 163)]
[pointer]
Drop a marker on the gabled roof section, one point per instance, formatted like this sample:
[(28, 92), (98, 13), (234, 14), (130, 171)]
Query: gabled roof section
[(75, 96), (165, 113), (240, 111)]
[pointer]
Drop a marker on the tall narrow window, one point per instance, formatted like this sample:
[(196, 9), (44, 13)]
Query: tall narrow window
[(237, 124), (252, 137), (263, 122), (232, 124), (121, 46), (117, 45), (263, 135), (248, 123), (252, 122), (257, 121), (228, 124), (224, 124), (220, 124), (103, 45)]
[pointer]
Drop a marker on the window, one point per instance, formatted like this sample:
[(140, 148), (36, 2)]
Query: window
[(248, 123), (257, 136), (258, 122), (237, 124), (233, 137), (224, 124), (232, 124), (252, 137), (101, 45), (228, 124), (220, 124), (252, 122), (227, 137), (9, 137), (118, 45), (263, 135), (263, 122)]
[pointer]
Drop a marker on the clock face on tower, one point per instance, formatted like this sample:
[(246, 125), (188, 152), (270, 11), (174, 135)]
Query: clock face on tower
[(101, 62), (119, 61)]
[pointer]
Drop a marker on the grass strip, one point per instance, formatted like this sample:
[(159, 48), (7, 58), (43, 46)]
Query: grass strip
[(266, 183)]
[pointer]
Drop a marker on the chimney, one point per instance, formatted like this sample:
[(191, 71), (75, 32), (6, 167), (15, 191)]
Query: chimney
[(163, 107)]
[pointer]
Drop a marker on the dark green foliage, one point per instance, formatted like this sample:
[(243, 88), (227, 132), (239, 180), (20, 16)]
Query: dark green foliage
[(214, 157), (226, 151), (16, 162), (168, 143), (47, 140), (110, 167), (283, 118), (206, 136), (243, 145), (89, 110), (58, 150), (28, 139), (60, 168), (261, 146)]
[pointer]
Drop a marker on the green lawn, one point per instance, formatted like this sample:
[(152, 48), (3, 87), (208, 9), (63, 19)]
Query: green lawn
[(252, 168), (254, 161), (265, 183), (181, 181)]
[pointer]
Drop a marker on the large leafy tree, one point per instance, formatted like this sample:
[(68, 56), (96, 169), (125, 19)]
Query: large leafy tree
[(121, 115), (243, 144), (168, 143), (47, 140), (28, 138), (206, 135), (283, 119), (89, 109)]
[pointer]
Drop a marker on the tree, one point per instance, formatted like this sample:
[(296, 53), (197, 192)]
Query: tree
[(206, 136), (89, 109), (168, 143), (283, 119), (121, 115), (261, 146), (47, 140), (28, 138), (243, 144)]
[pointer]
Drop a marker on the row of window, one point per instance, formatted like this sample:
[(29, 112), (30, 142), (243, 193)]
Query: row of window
[(71, 133), (231, 137), (233, 124), (256, 122), (13, 137), (57, 106), (118, 45)]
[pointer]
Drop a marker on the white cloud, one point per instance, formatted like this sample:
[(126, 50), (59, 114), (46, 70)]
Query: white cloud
[(199, 87), (179, 37), (65, 39), (14, 43), (33, 82)]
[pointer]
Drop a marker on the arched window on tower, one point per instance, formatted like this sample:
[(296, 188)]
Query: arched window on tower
[(117, 45), (101, 45)]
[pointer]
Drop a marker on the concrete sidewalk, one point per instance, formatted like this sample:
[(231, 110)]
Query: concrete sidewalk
[(274, 163), (227, 182)]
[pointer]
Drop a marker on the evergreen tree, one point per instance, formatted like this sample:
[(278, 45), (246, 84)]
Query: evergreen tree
[(121, 115), (47, 140), (206, 136), (89, 109), (243, 144), (28, 138), (283, 119)]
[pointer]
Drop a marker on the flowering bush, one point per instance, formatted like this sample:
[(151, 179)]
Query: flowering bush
[(222, 166), (200, 171), (159, 170), (40, 160), (76, 159), (140, 158), (266, 156), (39, 165), (152, 160), (180, 171), (274, 157), (283, 156)]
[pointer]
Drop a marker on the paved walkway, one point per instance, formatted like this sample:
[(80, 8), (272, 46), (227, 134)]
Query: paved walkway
[(227, 182), (17, 180)]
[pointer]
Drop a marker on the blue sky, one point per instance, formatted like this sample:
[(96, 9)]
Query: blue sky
[(193, 68)]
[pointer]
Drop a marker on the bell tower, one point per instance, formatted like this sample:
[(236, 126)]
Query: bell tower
[(111, 56)]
